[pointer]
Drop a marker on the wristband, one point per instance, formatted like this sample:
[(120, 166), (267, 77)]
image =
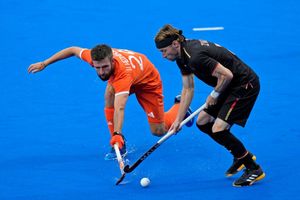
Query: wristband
[(117, 133), (214, 94)]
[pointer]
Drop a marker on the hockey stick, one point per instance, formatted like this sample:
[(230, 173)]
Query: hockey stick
[(129, 169), (121, 163)]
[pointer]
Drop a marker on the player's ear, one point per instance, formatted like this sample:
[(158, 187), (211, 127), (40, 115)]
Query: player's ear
[(175, 44)]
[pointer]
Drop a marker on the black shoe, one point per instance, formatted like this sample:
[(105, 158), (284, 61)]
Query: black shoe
[(237, 166), (249, 177)]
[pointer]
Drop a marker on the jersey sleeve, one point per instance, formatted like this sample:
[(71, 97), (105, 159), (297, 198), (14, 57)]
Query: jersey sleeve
[(204, 63), (183, 70), (85, 55), (122, 83)]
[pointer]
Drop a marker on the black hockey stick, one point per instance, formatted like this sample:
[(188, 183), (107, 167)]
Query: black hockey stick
[(129, 169)]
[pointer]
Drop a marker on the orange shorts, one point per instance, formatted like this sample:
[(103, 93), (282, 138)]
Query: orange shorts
[(152, 101)]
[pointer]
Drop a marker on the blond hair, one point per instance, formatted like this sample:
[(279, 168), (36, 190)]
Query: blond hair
[(168, 31)]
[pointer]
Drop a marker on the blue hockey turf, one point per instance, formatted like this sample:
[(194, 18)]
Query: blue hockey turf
[(53, 134)]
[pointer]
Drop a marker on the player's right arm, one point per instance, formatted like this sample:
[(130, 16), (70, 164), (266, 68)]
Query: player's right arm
[(63, 54), (187, 95)]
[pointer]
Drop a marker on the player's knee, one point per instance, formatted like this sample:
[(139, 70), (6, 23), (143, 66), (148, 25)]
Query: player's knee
[(216, 128), (220, 125), (206, 128), (158, 131), (158, 134)]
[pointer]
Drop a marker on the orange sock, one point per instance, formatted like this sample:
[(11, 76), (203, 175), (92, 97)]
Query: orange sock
[(109, 115), (170, 115)]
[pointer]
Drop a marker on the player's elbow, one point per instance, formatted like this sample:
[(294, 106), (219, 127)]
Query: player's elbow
[(228, 75), (74, 51)]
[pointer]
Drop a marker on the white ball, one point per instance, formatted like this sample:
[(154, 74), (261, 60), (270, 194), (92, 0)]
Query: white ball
[(145, 182)]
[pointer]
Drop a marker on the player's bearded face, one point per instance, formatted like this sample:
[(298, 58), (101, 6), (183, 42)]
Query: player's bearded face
[(104, 68)]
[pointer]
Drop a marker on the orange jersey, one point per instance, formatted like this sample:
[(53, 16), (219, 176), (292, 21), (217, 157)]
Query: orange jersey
[(133, 71)]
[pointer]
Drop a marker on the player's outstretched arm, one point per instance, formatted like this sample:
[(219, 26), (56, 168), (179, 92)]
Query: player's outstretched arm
[(63, 54), (119, 105), (187, 95)]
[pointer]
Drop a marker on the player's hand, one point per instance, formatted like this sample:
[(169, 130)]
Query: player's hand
[(210, 101), (175, 127), (36, 67), (117, 139)]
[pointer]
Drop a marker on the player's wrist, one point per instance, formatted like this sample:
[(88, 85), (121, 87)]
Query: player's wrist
[(117, 133), (214, 94), (117, 138), (44, 64)]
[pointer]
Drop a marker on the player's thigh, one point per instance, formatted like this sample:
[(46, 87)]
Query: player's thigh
[(153, 105), (204, 118)]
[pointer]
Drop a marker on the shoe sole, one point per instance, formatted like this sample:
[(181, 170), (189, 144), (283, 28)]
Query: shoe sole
[(251, 183), (240, 168)]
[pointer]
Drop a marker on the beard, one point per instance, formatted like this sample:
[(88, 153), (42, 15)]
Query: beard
[(105, 77)]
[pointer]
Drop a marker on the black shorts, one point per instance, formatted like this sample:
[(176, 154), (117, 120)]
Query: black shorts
[(235, 104)]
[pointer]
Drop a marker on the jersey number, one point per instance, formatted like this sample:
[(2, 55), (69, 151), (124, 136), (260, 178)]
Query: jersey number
[(133, 58)]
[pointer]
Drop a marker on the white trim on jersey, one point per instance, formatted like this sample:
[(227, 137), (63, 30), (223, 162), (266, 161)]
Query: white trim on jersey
[(81, 53), (124, 92)]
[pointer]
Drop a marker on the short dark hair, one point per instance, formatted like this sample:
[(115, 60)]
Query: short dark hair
[(101, 51)]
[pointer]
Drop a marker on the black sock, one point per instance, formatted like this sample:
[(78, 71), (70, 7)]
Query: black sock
[(230, 142), (249, 162)]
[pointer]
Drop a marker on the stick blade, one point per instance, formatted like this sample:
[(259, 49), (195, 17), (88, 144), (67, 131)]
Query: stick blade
[(121, 179), (127, 169)]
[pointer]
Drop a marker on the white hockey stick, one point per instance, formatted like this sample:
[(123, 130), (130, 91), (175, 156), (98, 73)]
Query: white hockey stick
[(121, 163)]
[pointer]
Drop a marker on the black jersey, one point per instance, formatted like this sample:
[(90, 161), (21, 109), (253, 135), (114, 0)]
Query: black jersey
[(200, 57)]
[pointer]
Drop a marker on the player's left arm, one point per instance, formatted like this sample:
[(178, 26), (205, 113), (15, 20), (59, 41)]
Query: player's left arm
[(224, 77)]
